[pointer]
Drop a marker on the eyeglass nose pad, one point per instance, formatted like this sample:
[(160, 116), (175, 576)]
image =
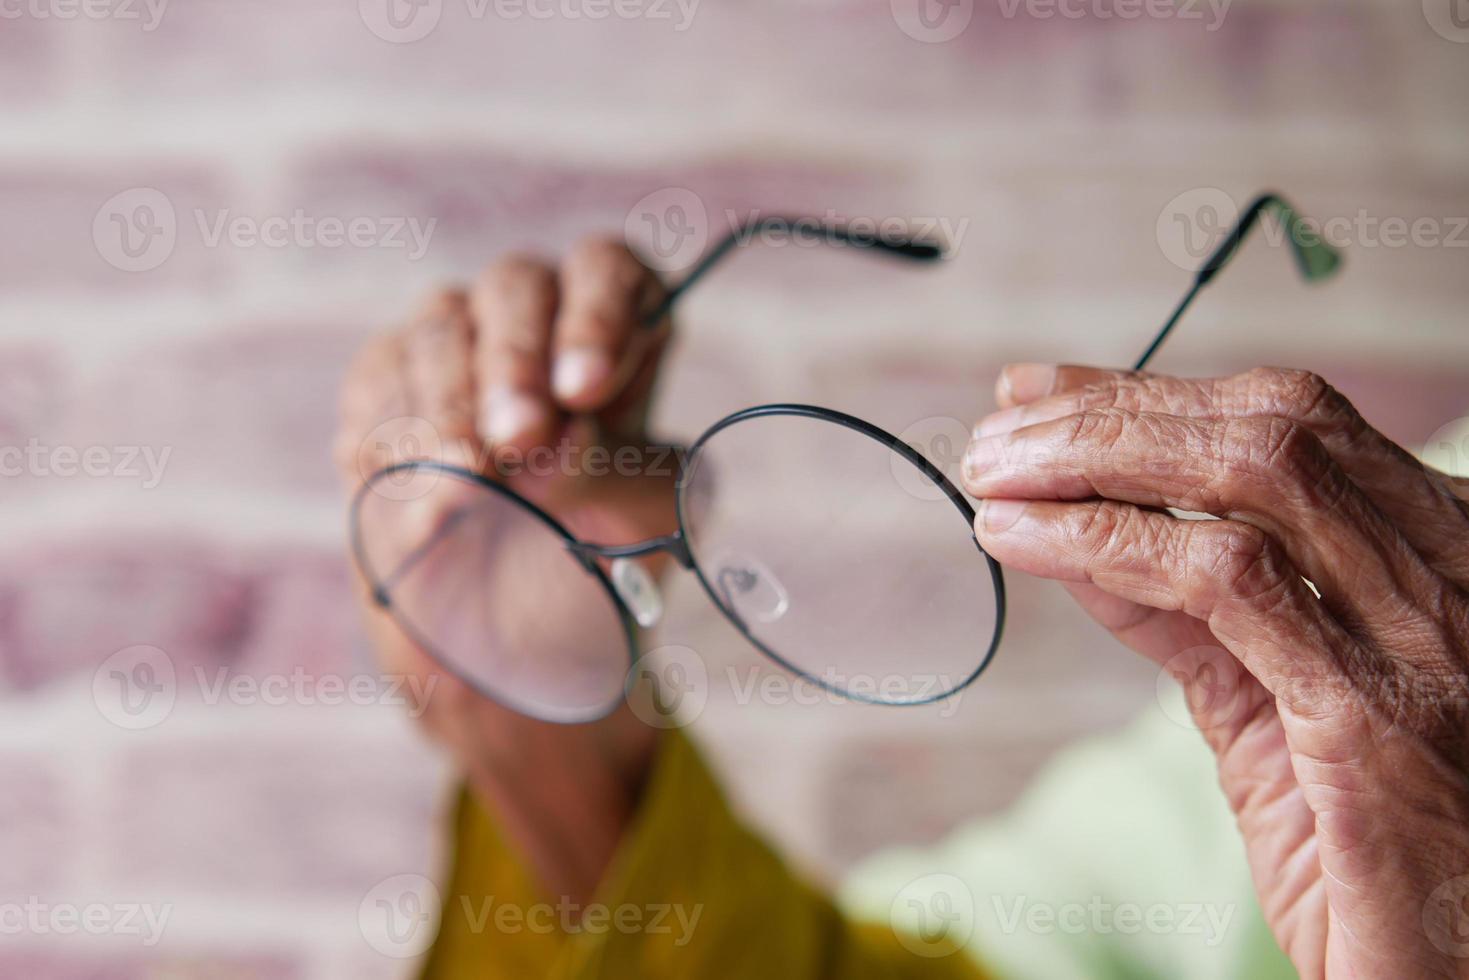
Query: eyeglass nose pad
[(749, 588), (639, 592)]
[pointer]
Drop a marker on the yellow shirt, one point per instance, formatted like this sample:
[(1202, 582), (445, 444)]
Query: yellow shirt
[(684, 898), (1121, 861)]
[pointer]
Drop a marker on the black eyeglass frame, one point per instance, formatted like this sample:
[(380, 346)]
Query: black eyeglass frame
[(674, 544), (1316, 260)]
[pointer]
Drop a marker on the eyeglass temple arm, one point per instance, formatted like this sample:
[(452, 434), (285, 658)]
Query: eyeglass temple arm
[(1314, 257), (899, 246)]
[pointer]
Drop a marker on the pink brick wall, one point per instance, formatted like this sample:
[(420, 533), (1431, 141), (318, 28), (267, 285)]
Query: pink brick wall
[(1056, 146)]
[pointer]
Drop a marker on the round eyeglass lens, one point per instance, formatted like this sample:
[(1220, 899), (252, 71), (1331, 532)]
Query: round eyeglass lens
[(486, 585), (840, 557)]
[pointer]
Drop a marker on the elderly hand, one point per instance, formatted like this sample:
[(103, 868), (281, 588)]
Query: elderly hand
[(1338, 709), (532, 355)]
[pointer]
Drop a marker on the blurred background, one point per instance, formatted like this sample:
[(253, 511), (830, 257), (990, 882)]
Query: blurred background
[(208, 205)]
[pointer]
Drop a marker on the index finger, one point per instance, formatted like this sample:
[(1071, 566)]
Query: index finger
[(600, 339), (514, 303), (1022, 383)]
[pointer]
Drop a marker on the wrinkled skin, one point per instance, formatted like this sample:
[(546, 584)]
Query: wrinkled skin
[(1338, 710), (1340, 723)]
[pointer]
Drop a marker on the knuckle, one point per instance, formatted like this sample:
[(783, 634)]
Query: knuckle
[(604, 258), (520, 279), (1100, 428), (1305, 396), (1141, 394), (1114, 532), (1105, 394), (516, 300), (1279, 452), (1100, 528), (1242, 559), (442, 321), (1129, 394), (443, 303), (1300, 465), (1292, 389)]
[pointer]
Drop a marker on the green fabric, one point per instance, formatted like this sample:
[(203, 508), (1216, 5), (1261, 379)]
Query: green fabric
[(1133, 819), (1117, 833)]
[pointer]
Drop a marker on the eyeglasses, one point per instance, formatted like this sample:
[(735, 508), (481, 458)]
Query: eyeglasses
[(833, 547)]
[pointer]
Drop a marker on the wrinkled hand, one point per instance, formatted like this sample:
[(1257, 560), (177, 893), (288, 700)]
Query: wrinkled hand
[(1340, 723), (532, 355)]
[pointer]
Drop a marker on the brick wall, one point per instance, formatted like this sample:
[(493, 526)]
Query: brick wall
[(1066, 155)]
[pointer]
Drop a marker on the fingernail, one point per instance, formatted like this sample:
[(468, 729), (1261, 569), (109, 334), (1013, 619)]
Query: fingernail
[(1004, 391), (998, 516), (998, 423), (579, 370), (508, 414), (980, 456), (1027, 382)]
